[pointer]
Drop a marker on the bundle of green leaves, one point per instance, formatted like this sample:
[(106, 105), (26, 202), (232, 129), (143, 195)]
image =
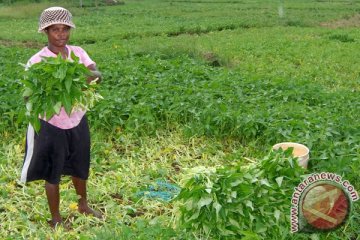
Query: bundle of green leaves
[(54, 83), (234, 202)]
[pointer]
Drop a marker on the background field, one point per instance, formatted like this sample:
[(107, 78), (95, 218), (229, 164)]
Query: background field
[(187, 83)]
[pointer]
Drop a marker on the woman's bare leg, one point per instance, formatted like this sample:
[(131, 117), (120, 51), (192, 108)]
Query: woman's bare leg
[(83, 207), (53, 197)]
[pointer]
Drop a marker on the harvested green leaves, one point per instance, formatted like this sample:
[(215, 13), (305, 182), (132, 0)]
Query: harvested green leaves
[(237, 201), (54, 83)]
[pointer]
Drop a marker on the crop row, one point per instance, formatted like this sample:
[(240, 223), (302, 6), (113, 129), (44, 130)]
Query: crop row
[(145, 93)]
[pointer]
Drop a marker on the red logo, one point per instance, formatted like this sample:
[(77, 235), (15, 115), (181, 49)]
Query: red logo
[(325, 206)]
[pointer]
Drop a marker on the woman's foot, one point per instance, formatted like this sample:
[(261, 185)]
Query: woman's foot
[(85, 209), (54, 223), (65, 224)]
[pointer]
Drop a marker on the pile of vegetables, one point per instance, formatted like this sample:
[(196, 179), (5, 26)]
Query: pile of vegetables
[(233, 202), (54, 83)]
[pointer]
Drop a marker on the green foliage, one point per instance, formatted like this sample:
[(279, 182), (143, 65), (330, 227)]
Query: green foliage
[(189, 83), (238, 201), (342, 37), (158, 92), (142, 230), (164, 18), (54, 83), (10, 88)]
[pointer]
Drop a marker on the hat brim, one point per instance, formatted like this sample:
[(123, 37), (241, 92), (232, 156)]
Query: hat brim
[(41, 30)]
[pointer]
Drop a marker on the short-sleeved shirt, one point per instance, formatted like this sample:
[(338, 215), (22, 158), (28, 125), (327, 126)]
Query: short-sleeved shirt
[(63, 120)]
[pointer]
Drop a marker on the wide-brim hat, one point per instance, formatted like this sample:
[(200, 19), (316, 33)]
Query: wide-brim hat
[(55, 15)]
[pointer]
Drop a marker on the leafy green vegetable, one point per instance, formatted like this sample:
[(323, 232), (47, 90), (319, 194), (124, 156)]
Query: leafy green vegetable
[(54, 83), (235, 201)]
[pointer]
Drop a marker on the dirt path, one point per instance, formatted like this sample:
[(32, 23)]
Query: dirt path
[(25, 44), (353, 21)]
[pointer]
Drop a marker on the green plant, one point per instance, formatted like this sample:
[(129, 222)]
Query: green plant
[(237, 201), (275, 83), (54, 83)]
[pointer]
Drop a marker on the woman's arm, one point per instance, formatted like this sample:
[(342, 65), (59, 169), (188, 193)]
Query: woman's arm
[(95, 74)]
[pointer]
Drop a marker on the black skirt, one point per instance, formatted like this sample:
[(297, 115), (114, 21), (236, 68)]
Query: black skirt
[(54, 152)]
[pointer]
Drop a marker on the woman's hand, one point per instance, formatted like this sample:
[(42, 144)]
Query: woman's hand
[(95, 74)]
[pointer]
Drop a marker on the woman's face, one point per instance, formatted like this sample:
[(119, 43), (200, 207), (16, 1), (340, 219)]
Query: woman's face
[(58, 35)]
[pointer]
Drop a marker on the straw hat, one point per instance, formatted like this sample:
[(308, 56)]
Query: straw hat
[(55, 15)]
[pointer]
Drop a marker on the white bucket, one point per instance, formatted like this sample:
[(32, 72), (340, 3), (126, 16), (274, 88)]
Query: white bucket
[(300, 151)]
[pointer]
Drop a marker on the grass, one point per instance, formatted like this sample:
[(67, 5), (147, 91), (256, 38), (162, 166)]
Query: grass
[(141, 19), (130, 163), (286, 53), (21, 11), (187, 83)]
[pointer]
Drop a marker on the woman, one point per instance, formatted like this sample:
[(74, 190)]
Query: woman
[(62, 147)]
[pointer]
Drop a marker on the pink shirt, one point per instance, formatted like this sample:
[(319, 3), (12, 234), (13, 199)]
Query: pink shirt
[(63, 120)]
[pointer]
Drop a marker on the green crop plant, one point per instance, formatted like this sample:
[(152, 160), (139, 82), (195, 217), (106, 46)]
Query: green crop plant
[(241, 201), (186, 84), (54, 83)]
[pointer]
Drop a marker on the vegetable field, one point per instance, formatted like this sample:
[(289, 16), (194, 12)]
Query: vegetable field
[(193, 91)]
